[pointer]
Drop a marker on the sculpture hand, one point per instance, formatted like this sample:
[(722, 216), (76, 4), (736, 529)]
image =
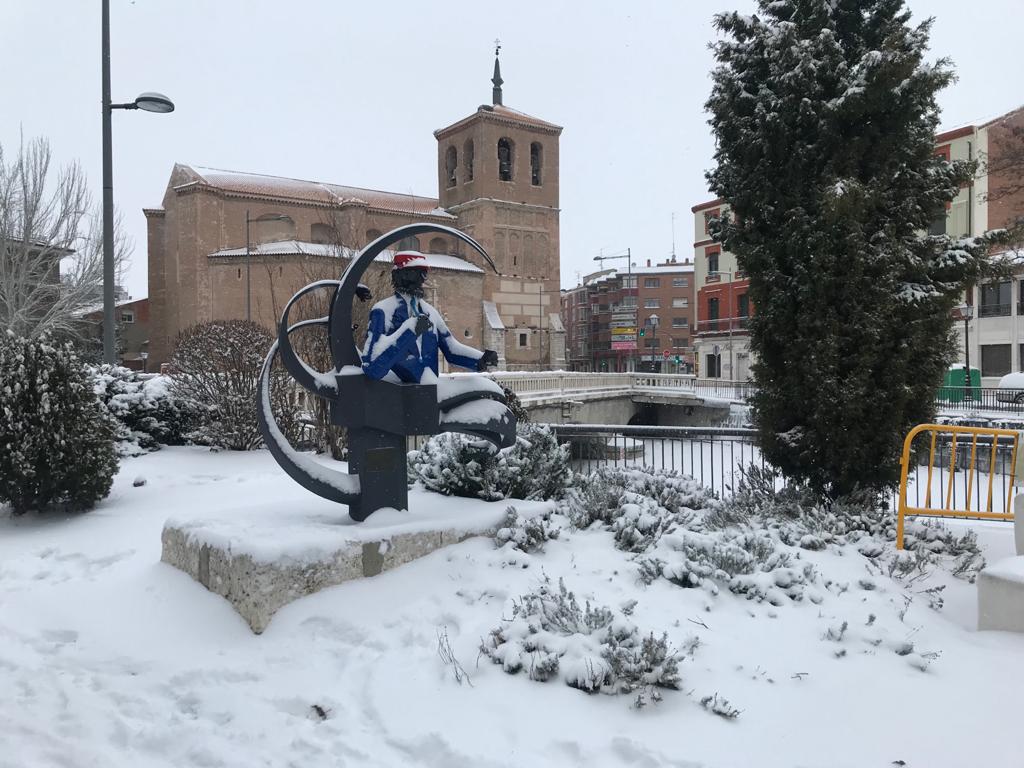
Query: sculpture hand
[(422, 325), (489, 358)]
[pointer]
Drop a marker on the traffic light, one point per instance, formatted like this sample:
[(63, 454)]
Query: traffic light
[(678, 361), (643, 331)]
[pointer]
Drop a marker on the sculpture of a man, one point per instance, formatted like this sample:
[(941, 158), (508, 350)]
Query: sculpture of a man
[(405, 332)]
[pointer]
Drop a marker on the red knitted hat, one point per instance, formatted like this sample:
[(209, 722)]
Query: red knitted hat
[(407, 259)]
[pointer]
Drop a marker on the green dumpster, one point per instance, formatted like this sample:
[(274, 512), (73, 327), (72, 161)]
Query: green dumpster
[(954, 385)]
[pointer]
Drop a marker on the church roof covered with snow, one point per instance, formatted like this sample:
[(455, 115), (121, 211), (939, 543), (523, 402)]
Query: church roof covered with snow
[(299, 248), (258, 185)]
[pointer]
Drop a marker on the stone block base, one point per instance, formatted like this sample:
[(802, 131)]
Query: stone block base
[(1001, 595), (261, 559)]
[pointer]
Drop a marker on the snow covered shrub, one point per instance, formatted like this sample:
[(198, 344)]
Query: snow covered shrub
[(56, 443), (536, 467), (591, 648), (216, 365), (525, 534), (144, 413), (595, 496)]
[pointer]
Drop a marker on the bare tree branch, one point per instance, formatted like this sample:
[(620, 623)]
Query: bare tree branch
[(51, 245)]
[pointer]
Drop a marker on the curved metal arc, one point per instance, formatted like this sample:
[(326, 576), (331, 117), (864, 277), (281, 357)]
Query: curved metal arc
[(319, 383), (343, 347), (323, 481)]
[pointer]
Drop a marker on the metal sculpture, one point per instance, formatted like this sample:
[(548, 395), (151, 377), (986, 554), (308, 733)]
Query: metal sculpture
[(379, 413)]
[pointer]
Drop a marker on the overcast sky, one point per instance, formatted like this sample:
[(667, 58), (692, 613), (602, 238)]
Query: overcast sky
[(351, 92)]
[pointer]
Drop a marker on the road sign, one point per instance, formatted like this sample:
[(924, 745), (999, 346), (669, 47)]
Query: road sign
[(666, 353)]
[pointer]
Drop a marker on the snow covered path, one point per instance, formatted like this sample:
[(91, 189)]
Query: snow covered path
[(110, 658)]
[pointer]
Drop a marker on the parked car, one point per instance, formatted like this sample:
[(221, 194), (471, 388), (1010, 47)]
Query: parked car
[(1011, 388)]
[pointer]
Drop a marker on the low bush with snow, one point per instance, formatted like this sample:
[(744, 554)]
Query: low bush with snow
[(536, 467), (145, 413), (595, 649)]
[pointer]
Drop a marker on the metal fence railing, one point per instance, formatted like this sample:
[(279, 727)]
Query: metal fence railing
[(979, 399), (714, 456)]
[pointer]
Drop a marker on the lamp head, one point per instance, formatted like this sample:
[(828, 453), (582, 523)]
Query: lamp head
[(151, 101)]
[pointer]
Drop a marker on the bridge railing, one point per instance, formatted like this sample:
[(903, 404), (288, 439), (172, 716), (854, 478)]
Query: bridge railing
[(528, 384)]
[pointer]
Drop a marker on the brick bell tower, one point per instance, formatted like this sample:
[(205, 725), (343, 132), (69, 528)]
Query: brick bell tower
[(498, 173)]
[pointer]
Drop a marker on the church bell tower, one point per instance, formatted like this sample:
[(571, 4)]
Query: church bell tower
[(498, 173)]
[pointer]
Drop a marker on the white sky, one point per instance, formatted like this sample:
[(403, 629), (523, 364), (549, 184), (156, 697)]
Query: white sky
[(350, 92)]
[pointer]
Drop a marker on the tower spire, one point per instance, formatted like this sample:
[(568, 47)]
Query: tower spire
[(496, 90)]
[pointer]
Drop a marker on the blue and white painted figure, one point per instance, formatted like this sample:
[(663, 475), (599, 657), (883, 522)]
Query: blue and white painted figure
[(405, 332)]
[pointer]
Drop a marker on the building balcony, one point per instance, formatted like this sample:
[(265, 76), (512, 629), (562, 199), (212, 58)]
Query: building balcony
[(724, 325), (995, 310)]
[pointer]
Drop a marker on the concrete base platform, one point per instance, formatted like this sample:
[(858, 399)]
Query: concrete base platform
[(262, 558), (1001, 595)]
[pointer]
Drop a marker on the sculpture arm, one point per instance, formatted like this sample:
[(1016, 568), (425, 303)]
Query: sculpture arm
[(455, 352), (383, 350)]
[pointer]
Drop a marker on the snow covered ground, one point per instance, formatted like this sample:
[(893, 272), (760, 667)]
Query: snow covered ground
[(110, 658)]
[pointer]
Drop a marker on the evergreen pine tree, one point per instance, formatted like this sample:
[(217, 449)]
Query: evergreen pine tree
[(56, 443), (824, 114)]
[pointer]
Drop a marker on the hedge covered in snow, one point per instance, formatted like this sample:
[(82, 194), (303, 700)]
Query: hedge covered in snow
[(56, 442)]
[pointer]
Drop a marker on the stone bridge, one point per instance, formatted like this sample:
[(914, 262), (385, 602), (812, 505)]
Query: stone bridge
[(623, 398)]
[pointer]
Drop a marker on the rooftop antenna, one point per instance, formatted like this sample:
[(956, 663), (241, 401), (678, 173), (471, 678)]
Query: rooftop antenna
[(673, 235)]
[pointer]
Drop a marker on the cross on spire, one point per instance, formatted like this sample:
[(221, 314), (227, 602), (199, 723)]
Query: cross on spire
[(496, 80)]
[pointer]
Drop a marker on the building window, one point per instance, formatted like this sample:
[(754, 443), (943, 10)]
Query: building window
[(938, 222), (411, 243), (451, 162), (523, 339), (712, 262), (629, 301), (536, 159), (128, 317), (629, 281), (653, 341), (680, 282), (713, 366), (713, 314), (680, 302), (995, 299), (467, 158), (652, 303), (743, 305), (680, 322), (506, 159), (324, 234), (652, 282), (680, 341), (438, 245), (995, 359)]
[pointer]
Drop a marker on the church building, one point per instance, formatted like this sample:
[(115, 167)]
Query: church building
[(232, 245)]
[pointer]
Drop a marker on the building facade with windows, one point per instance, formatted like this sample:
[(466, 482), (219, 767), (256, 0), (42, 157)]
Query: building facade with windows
[(721, 339), (498, 176), (993, 200), (626, 320)]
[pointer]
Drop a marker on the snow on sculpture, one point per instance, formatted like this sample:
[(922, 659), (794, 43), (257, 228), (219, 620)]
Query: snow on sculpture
[(389, 391)]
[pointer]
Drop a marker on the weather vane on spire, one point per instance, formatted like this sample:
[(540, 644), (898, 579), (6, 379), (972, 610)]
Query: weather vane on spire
[(497, 46)]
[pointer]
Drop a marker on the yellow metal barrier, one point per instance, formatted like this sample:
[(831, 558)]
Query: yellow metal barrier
[(948, 507)]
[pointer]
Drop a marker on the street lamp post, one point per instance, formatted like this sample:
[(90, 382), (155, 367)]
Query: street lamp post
[(966, 312), (629, 283), (248, 258), (150, 102), (653, 319)]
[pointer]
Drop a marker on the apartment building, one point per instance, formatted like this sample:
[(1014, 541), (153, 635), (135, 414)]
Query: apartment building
[(638, 319), (993, 199), (721, 338)]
